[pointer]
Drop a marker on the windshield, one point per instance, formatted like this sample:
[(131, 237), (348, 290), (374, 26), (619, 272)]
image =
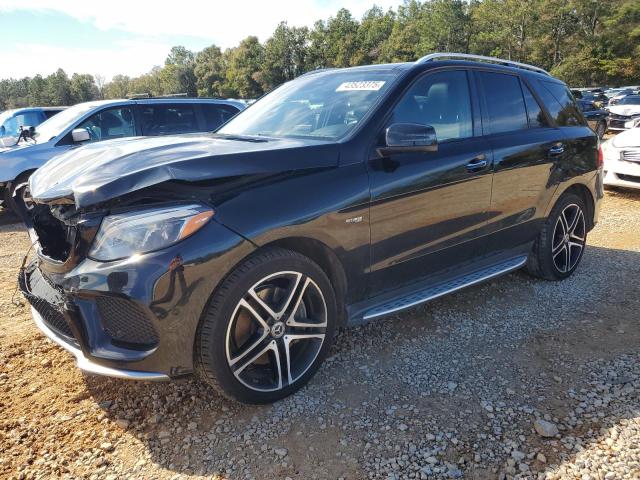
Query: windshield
[(325, 105), (630, 100), (60, 122)]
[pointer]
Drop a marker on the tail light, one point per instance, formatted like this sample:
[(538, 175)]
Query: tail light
[(600, 156)]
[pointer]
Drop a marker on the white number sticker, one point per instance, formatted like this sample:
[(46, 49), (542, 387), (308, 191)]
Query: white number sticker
[(371, 86)]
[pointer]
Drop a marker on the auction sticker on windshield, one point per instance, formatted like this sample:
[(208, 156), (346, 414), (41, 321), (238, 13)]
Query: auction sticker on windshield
[(371, 86)]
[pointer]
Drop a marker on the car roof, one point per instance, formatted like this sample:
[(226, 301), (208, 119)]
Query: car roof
[(151, 101)]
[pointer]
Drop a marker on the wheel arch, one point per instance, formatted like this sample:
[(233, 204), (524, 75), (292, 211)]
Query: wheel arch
[(583, 192), (17, 180), (325, 258)]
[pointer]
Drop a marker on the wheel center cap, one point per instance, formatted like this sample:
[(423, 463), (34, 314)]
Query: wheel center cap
[(277, 330)]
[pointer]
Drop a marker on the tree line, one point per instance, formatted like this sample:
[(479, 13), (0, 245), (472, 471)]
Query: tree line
[(583, 42)]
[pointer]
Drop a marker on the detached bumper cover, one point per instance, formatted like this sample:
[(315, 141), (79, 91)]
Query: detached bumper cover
[(87, 365)]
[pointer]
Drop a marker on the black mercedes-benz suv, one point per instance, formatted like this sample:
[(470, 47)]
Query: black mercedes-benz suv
[(342, 196)]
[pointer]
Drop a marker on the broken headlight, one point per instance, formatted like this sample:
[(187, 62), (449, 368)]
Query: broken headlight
[(125, 234)]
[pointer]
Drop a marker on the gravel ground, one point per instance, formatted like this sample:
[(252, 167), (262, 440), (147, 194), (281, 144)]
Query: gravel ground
[(516, 378)]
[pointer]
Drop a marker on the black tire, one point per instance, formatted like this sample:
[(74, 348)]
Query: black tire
[(217, 332), (601, 129), (8, 194), (550, 248)]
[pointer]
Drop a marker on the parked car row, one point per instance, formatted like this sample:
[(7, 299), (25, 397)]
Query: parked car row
[(103, 120), (342, 196), (617, 109)]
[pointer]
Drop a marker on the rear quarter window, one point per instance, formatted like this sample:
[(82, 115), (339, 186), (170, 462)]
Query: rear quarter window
[(560, 104)]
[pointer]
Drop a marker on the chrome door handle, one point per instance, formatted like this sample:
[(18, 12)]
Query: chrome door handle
[(478, 163)]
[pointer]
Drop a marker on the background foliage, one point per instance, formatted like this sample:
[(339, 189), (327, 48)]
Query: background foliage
[(584, 42)]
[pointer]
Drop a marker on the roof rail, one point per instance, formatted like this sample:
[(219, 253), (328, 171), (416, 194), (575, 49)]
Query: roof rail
[(480, 58), (137, 96)]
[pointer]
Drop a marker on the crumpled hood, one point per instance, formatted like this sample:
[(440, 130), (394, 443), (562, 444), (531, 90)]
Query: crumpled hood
[(625, 109), (105, 170), (628, 138)]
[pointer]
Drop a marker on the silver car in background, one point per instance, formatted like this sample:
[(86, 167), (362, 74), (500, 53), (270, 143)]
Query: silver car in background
[(104, 120)]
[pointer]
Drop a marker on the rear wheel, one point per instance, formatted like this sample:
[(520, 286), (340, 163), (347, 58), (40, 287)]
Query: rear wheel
[(560, 245), (268, 328)]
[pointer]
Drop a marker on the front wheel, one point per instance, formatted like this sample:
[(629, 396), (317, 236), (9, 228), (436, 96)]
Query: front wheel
[(268, 328), (560, 245)]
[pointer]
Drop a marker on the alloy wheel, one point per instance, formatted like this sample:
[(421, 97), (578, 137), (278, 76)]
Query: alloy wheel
[(276, 331), (568, 238)]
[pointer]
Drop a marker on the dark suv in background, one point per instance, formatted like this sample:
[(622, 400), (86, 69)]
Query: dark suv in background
[(342, 196)]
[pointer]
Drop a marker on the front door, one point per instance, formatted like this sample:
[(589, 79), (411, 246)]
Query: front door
[(429, 209)]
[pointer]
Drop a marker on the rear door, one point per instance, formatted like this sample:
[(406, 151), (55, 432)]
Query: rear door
[(527, 150), (429, 209)]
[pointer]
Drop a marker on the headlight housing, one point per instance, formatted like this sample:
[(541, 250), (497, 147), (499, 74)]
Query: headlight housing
[(125, 234)]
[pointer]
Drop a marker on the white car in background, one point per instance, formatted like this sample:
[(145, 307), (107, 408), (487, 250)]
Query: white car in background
[(622, 113), (621, 156)]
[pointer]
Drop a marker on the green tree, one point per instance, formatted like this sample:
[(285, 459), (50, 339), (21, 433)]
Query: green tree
[(285, 55), (243, 76), (210, 72), (375, 27), (118, 87), (58, 89), (83, 88)]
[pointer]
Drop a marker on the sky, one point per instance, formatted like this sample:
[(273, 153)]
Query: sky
[(130, 37)]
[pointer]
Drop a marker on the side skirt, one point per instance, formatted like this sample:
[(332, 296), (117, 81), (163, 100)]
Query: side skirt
[(424, 293)]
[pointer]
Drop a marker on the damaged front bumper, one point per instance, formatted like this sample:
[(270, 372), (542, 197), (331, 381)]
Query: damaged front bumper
[(134, 318), (88, 366)]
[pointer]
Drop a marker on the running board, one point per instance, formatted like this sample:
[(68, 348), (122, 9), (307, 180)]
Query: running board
[(444, 288)]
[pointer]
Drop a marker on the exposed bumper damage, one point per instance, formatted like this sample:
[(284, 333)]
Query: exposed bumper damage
[(134, 318)]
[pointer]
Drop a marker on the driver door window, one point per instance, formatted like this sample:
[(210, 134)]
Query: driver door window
[(440, 100), (109, 124)]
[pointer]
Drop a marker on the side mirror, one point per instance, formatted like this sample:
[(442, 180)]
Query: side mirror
[(80, 135), (409, 137)]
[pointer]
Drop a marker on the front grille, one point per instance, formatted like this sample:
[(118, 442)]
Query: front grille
[(630, 155), (46, 300), (125, 321), (628, 178)]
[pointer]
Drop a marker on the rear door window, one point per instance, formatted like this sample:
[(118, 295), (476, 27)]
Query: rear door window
[(560, 104), (217, 114), (168, 119), (504, 102), (537, 118)]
